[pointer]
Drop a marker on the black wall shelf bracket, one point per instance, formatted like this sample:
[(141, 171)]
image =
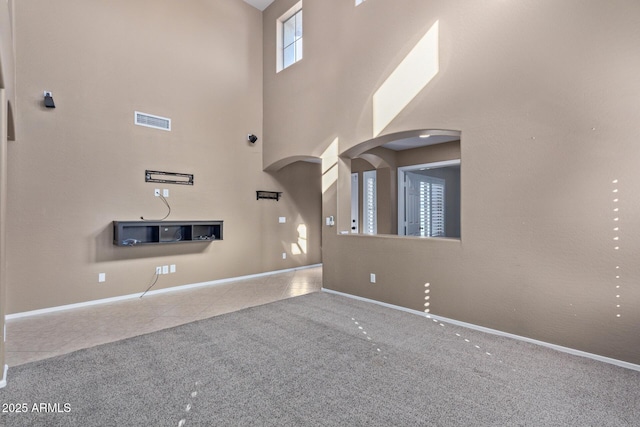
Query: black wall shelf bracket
[(168, 177), (271, 195)]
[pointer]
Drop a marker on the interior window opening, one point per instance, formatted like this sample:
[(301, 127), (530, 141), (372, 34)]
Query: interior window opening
[(408, 186), (429, 200)]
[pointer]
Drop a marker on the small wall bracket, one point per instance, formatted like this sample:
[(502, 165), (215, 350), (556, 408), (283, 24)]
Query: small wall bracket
[(272, 195), (168, 177)]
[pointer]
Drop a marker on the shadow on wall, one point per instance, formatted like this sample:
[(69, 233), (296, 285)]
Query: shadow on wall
[(105, 250), (301, 184)]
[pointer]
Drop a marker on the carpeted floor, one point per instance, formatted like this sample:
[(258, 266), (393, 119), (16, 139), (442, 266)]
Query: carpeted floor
[(320, 359)]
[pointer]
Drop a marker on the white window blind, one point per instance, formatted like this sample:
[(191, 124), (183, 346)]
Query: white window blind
[(369, 201), (432, 207)]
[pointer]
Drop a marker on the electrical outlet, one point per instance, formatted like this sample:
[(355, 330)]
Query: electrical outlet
[(372, 278), (172, 268), (158, 270), (165, 192), (165, 269), (156, 192), (282, 219), (102, 277), (284, 255)]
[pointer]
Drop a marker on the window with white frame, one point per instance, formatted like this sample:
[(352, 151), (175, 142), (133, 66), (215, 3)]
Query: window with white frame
[(431, 207), (289, 37), (429, 199), (369, 203)]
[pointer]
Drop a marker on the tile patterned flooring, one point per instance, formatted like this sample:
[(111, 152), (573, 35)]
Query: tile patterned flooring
[(46, 335)]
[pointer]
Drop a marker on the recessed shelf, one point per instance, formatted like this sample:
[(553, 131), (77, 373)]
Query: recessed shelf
[(136, 233)]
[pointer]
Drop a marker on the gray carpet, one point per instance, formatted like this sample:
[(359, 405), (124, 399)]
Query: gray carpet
[(321, 360)]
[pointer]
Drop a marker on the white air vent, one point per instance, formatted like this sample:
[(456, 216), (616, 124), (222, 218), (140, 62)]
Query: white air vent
[(149, 120)]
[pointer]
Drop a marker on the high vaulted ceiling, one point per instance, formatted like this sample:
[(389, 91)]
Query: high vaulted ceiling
[(259, 4)]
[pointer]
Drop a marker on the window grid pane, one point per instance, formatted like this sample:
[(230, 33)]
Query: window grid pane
[(292, 30), (289, 31), (298, 17), (289, 56), (292, 40)]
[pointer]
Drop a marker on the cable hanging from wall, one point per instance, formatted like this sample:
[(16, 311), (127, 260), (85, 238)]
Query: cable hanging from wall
[(168, 212)]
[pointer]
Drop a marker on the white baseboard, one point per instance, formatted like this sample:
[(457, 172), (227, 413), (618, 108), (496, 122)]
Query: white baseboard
[(3, 381), (573, 351), (154, 292)]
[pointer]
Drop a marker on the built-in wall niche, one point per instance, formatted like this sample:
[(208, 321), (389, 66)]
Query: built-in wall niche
[(136, 233), (408, 186)]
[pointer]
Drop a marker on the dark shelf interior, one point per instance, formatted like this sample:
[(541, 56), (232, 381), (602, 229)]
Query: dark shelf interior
[(135, 233)]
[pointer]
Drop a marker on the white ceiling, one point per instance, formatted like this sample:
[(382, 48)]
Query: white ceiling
[(415, 142), (259, 4)]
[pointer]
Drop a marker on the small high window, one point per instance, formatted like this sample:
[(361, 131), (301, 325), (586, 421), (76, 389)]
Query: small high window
[(289, 37)]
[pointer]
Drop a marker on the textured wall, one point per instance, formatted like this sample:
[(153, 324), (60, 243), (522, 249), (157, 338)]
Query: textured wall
[(544, 94), (7, 98), (76, 168)]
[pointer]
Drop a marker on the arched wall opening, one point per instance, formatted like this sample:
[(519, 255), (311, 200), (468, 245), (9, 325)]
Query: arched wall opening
[(407, 184)]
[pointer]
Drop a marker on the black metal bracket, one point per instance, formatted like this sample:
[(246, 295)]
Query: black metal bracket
[(168, 177), (272, 195)]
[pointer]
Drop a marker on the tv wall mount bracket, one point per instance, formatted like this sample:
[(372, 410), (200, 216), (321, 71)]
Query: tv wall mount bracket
[(168, 177)]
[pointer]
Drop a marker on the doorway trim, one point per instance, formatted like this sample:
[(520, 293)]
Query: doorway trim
[(401, 186)]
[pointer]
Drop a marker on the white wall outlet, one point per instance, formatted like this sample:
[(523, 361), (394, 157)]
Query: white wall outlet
[(102, 277), (172, 268), (372, 278), (282, 220), (156, 192), (47, 93), (284, 255), (165, 269), (158, 270), (165, 192)]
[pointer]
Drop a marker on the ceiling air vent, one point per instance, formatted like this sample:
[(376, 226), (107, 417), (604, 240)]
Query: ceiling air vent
[(149, 120)]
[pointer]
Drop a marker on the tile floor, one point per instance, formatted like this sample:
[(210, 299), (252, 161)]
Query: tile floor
[(46, 335)]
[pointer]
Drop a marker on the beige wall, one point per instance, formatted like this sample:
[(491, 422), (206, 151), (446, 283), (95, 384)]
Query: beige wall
[(7, 98), (545, 96), (7, 71), (76, 168), (3, 220)]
